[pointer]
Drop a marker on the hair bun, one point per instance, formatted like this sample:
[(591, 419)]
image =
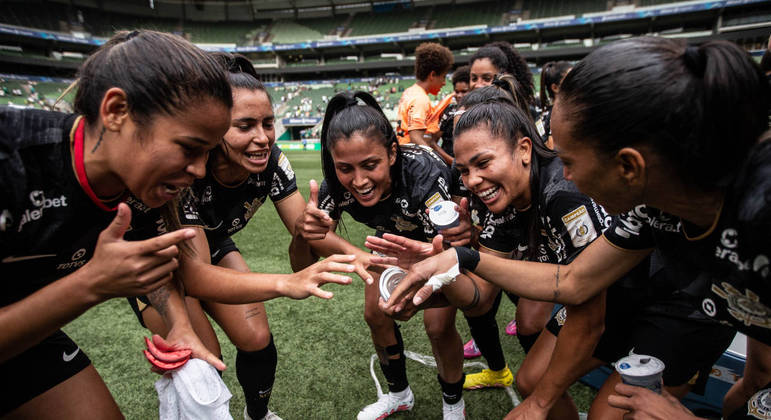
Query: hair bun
[(695, 60)]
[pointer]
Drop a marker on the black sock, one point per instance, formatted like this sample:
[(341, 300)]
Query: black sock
[(256, 371), (527, 341), (396, 369), (484, 331), (451, 393)]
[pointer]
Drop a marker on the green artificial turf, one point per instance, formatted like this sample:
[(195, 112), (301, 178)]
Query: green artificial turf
[(324, 347)]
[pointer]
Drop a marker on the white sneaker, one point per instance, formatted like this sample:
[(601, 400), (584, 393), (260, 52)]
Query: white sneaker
[(455, 411), (270, 416), (388, 404)]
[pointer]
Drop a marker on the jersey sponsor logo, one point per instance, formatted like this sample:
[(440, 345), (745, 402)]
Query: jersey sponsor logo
[(729, 241), (76, 261), (12, 259), (760, 265), (746, 308), (68, 357), (40, 202), (6, 220), (435, 198), (257, 181), (759, 406), (235, 225), (207, 196), (403, 225), (580, 227), (284, 164), (137, 204)]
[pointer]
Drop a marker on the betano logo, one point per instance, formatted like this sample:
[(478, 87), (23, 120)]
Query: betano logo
[(40, 202)]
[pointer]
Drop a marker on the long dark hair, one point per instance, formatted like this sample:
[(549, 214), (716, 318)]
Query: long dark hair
[(551, 73), (343, 118), (507, 59), (160, 73), (700, 108), (511, 123)]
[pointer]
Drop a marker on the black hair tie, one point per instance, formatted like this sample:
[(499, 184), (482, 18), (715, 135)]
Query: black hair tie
[(498, 82), (131, 35), (695, 60), (351, 101)]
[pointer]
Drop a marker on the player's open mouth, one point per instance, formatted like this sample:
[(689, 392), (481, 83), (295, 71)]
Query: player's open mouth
[(365, 193), (257, 157), (489, 194)]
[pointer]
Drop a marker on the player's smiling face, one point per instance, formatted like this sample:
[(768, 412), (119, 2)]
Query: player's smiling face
[(158, 162), (363, 166), (495, 171), (252, 133)]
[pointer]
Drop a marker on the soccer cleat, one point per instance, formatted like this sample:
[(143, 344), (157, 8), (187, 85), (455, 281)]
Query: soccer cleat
[(455, 411), (388, 404), (470, 350), (489, 379), (511, 327), (270, 416)]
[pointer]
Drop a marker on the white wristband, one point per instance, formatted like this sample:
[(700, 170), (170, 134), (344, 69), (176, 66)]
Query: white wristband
[(438, 280)]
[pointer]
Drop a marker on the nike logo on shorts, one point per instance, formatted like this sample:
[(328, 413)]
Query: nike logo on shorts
[(25, 257), (68, 357)]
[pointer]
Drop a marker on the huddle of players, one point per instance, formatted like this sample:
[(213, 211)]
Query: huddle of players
[(382, 184)]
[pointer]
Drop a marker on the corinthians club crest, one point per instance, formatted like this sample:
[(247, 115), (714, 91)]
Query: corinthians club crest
[(759, 406), (746, 307)]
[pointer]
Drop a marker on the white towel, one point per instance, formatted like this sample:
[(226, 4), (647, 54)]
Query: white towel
[(193, 392)]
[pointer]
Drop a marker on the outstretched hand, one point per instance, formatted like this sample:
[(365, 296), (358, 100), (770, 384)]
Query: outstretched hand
[(413, 286), (308, 282), (406, 251)]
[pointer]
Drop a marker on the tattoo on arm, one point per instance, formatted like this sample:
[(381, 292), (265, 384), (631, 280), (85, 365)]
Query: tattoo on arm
[(159, 298), (557, 283), (252, 313)]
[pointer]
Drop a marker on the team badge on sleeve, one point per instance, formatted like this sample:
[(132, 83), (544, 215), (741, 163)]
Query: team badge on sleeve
[(759, 406), (580, 227), (433, 199)]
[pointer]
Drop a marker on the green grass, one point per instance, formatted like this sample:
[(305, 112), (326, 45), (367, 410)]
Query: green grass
[(324, 347)]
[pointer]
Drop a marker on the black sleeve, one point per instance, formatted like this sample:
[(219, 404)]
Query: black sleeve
[(575, 221), (327, 203), (631, 230), (284, 182), (501, 233)]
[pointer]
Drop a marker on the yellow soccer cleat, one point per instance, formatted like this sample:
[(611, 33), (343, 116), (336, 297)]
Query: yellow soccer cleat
[(489, 379)]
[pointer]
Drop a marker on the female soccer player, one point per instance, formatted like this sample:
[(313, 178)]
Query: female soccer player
[(243, 171), (552, 74), (146, 124), (690, 181), (497, 58), (388, 187)]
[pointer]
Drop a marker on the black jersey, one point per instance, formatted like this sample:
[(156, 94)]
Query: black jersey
[(543, 123), (566, 222), (225, 210), (48, 225), (425, 180), (446, 125), (728, 265)]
